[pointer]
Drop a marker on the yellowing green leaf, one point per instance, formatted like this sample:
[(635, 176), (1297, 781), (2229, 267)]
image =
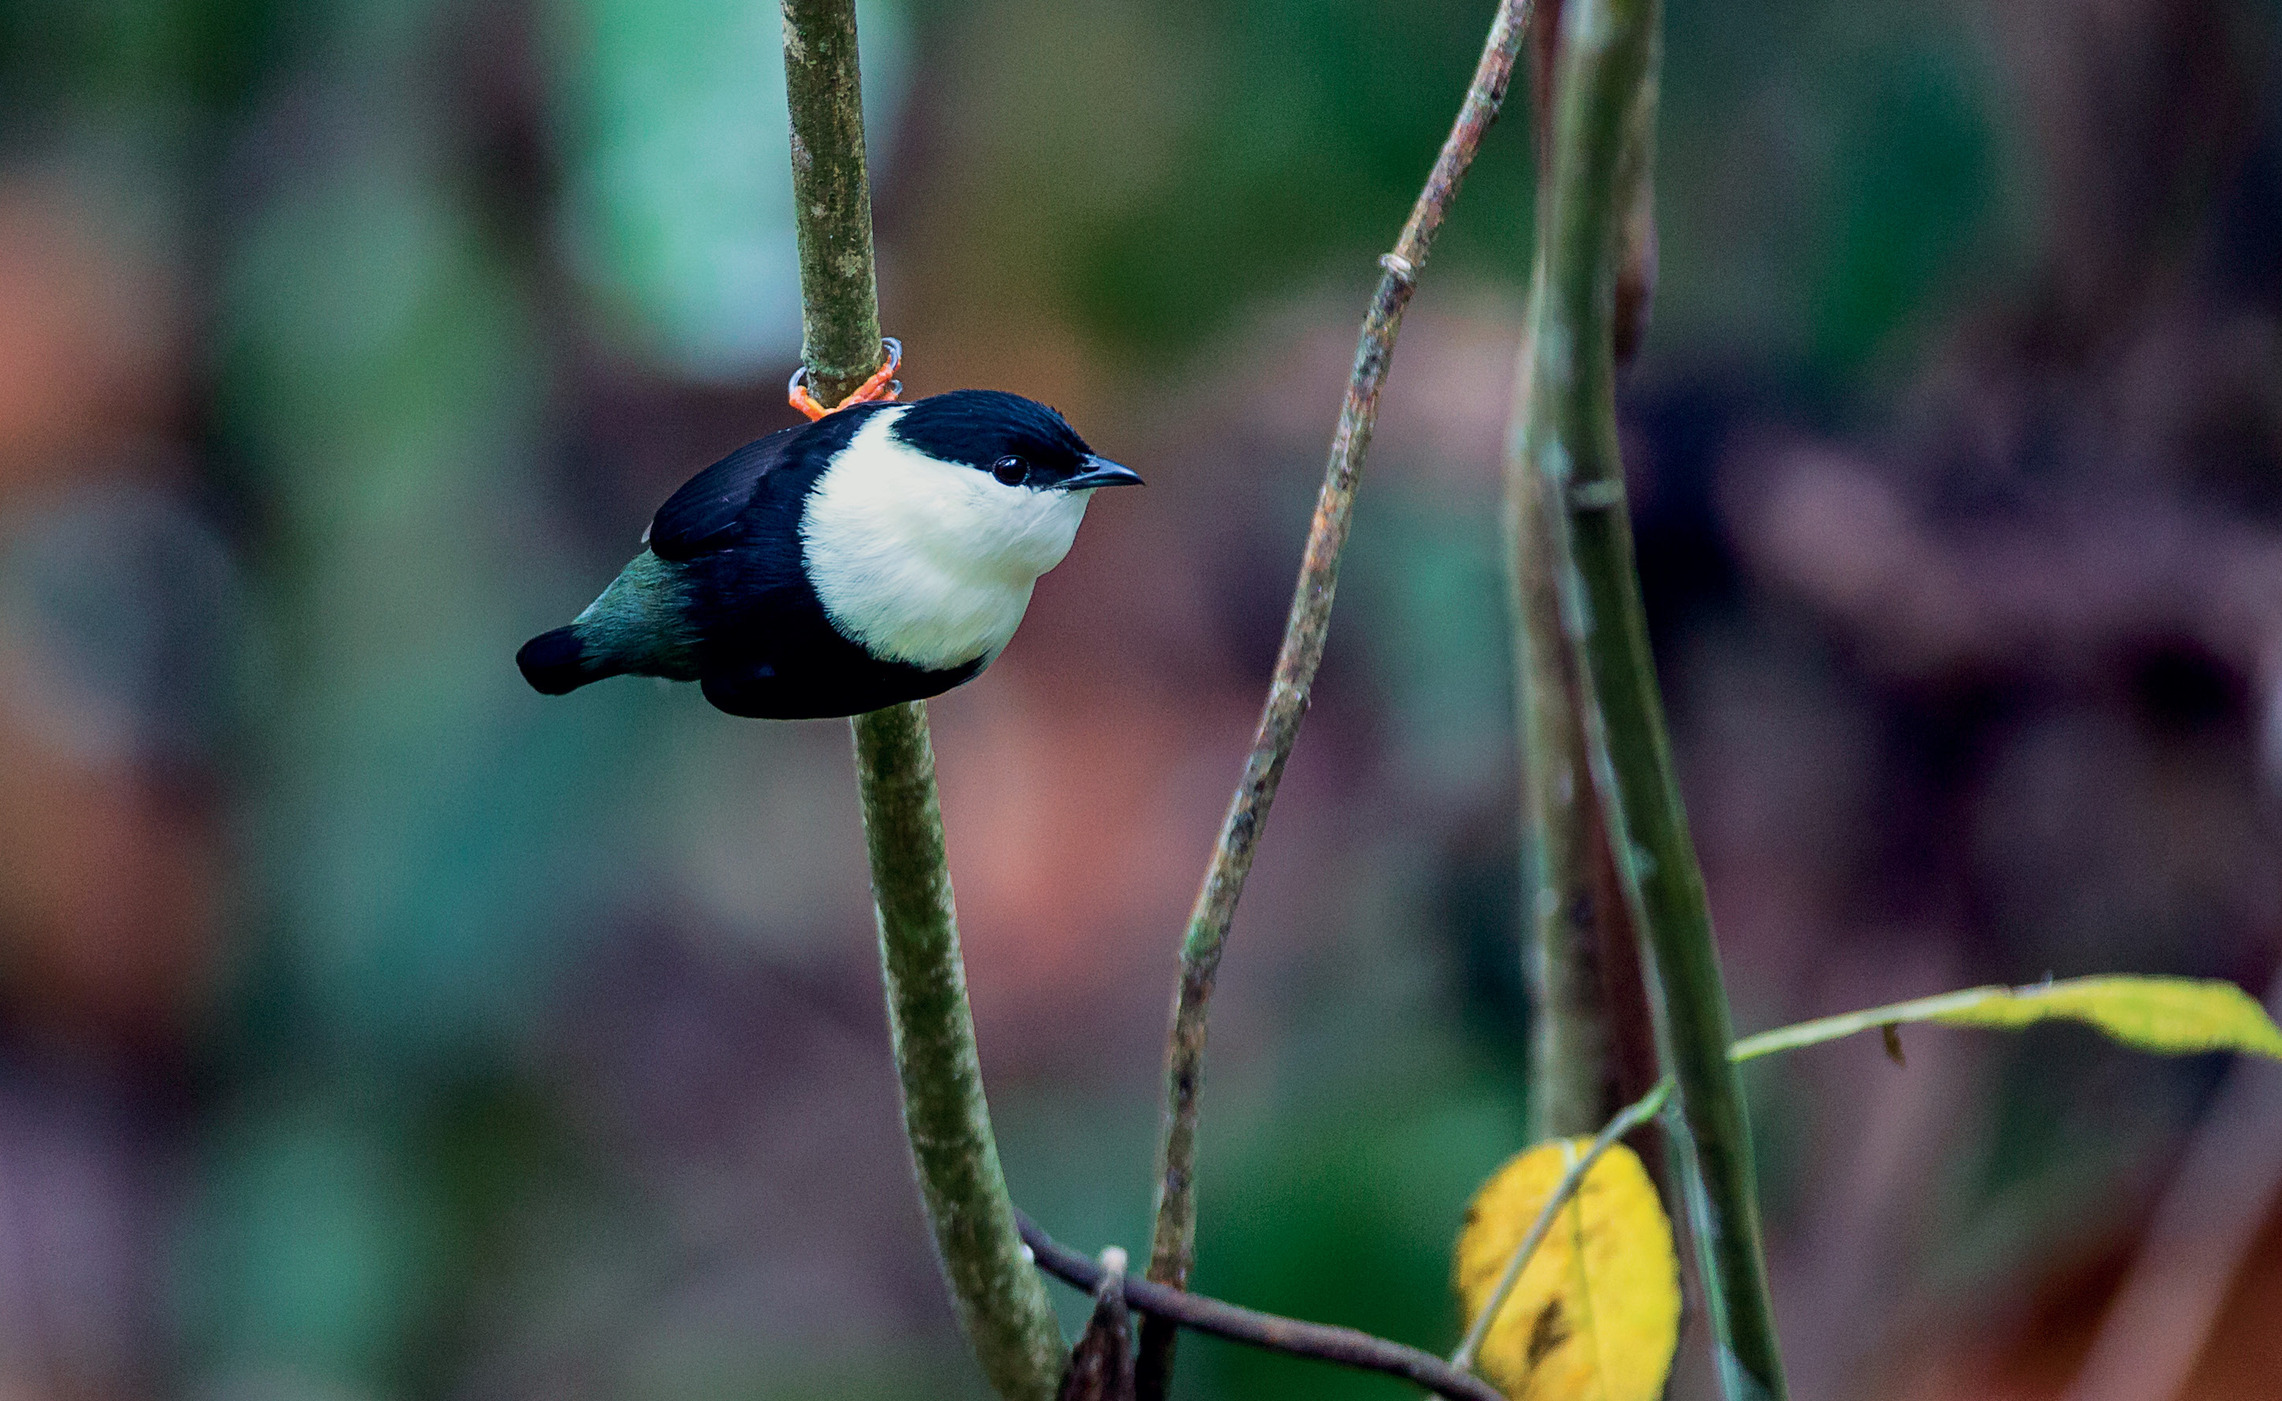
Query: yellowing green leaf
[(2155, 1014), (1595, 1315), (2174, 1015)]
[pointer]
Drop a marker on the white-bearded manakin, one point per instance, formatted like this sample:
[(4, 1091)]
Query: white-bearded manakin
[(884, 553)]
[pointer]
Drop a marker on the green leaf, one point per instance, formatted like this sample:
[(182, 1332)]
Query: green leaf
[(2175, 1016)]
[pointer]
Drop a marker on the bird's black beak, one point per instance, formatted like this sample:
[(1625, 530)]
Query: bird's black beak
[(1100, 471)]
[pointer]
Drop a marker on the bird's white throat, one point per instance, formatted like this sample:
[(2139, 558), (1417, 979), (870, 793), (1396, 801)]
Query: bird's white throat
[(928, 562)]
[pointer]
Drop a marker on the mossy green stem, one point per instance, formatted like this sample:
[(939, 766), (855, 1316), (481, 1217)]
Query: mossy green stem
[(1605, 72), (999, 1298)]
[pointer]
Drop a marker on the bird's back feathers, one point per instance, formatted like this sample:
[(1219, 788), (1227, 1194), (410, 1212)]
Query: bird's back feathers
[(708, 511)]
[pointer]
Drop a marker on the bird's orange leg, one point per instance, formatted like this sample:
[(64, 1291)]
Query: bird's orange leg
[(882, 387)]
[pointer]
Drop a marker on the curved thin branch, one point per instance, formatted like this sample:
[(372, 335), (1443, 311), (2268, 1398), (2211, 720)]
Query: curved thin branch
[(1344, 1347), (1173, 1245)]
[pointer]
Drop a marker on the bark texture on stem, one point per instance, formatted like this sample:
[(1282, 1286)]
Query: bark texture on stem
[(1604, 76), (1565, 842), (999, 1299), (1592, 1045), (1574, 914), (1173, 1246), (839, 294)]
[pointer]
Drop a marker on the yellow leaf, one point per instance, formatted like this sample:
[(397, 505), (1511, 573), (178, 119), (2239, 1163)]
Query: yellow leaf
[(2155, 1014), (1595, 1315), (2174, 1015)]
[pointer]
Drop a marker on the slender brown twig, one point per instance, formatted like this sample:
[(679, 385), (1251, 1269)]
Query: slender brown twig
[(1344, 1347), (1101, 1365), (1173, 1246)]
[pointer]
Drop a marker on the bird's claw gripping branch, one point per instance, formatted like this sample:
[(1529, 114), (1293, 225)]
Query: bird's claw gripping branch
[(881, 388)]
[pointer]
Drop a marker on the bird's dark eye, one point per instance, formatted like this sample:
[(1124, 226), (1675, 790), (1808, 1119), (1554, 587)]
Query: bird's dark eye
[(1010, 470)]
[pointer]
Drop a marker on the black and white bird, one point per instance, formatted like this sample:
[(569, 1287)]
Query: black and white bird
[(883, 553)]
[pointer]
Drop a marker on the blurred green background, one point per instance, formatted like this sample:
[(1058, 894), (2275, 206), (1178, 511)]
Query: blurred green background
[(371, 1027)]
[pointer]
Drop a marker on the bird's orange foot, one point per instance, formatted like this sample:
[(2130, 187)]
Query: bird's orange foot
[(882, 387)]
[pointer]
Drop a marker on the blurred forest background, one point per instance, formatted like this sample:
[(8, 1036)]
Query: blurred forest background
[(371, 1027)]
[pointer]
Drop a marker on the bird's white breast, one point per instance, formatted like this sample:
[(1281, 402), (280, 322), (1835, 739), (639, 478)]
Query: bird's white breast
[(923, 561)]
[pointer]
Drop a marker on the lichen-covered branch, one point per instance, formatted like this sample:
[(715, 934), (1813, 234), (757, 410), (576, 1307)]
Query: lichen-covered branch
[(1174, 1244), (1604, 74), (839, 292), (999, 1299)]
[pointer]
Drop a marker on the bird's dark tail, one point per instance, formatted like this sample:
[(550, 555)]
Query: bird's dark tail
[(557, 663)]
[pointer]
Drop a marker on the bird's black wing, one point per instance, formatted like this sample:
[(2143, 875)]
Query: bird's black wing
[(705, 511), (706, 514)]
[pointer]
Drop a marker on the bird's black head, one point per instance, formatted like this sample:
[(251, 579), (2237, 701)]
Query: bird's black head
[(1019, 441)]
